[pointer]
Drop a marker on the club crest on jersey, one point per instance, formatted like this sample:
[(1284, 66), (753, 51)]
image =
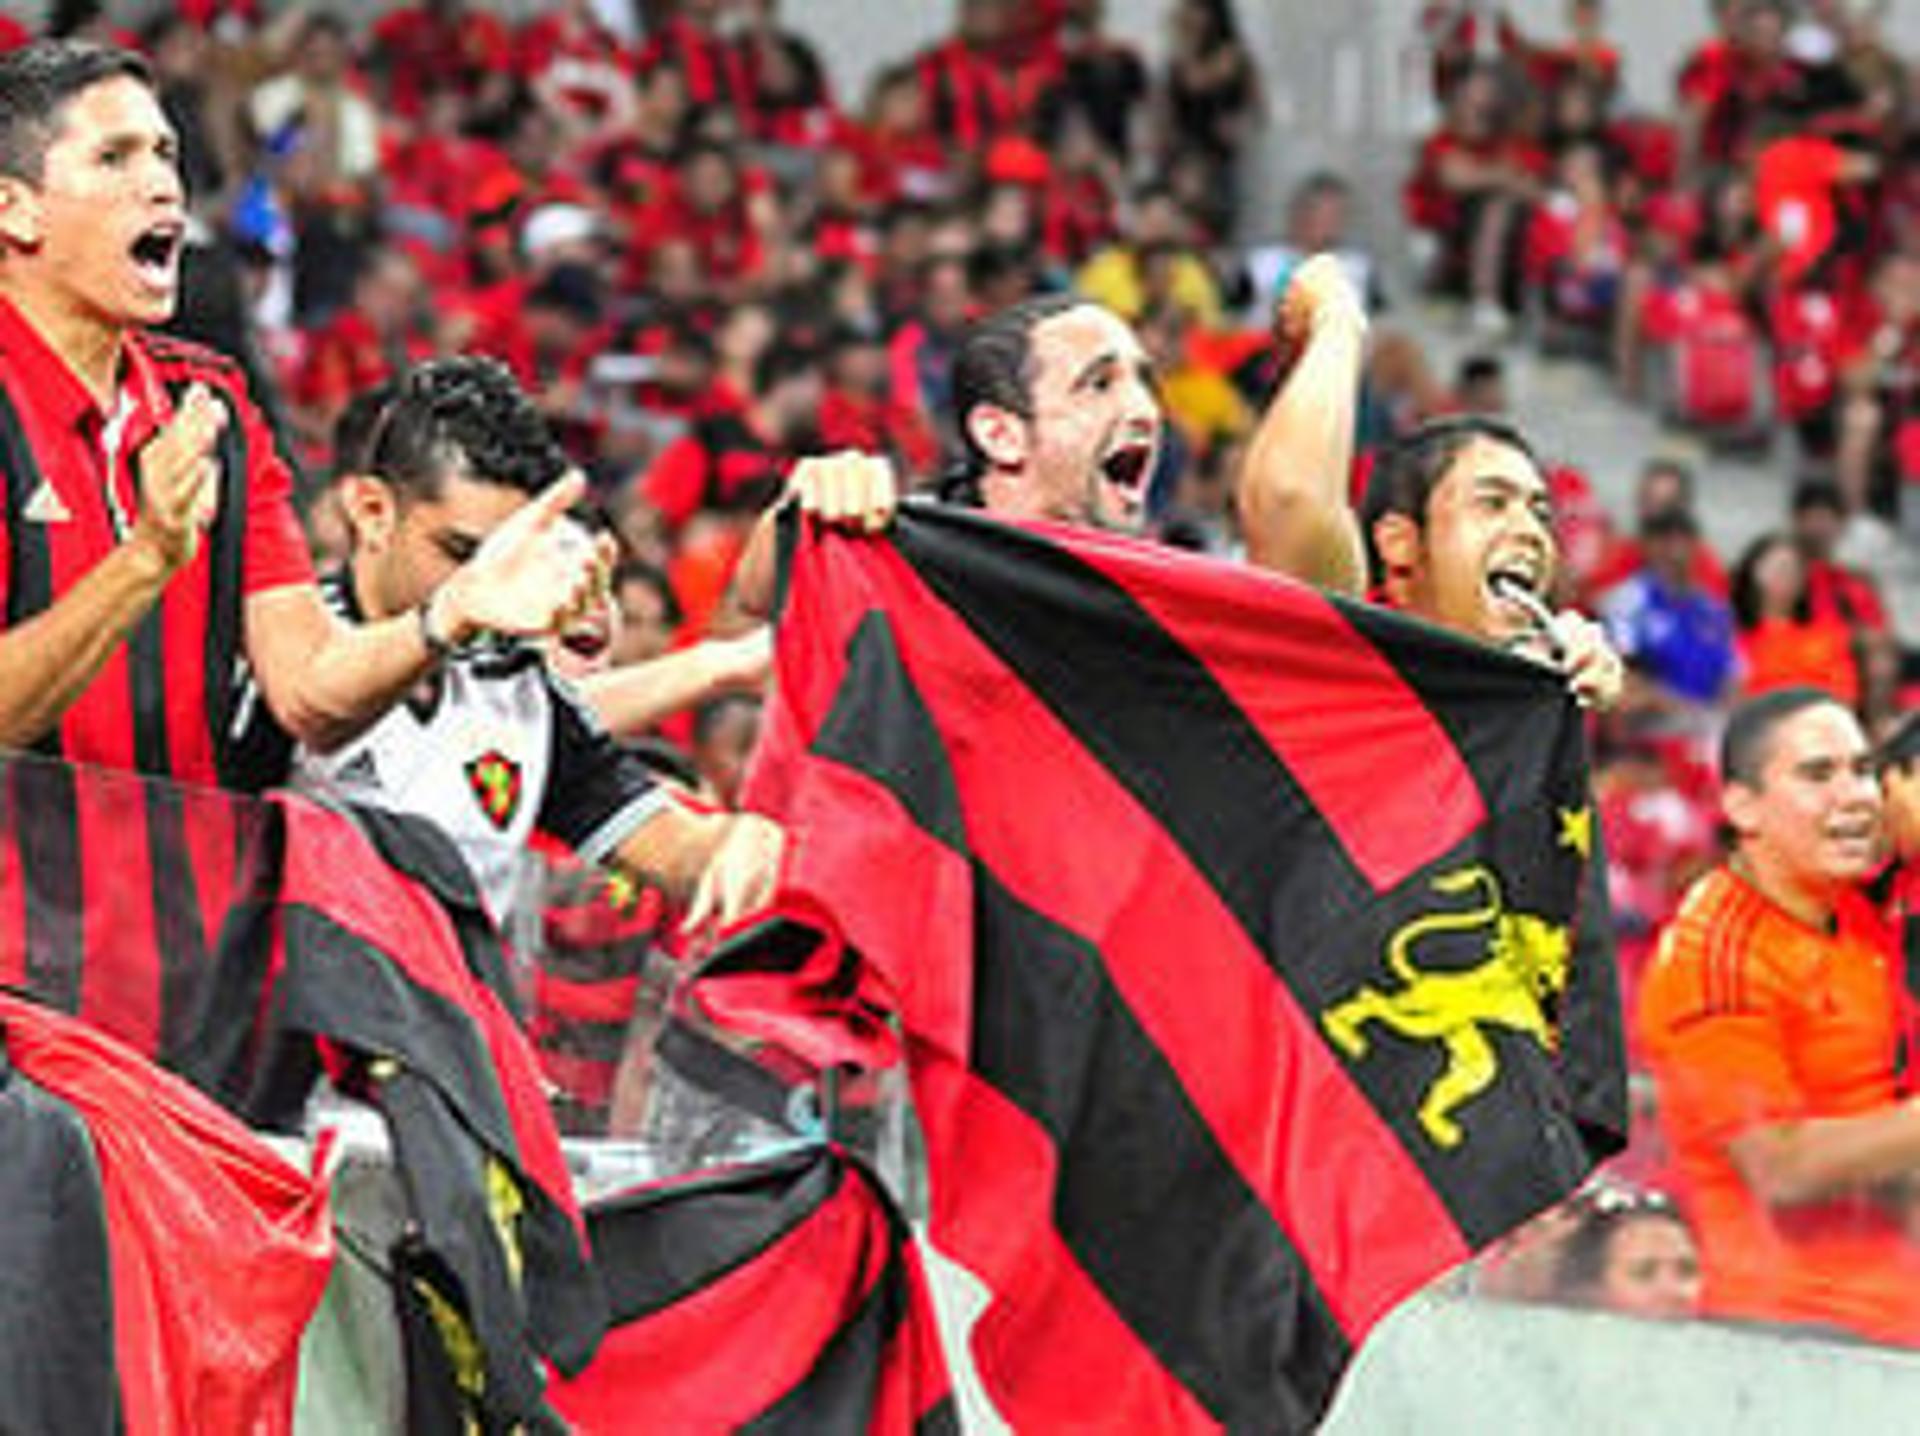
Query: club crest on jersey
[(495, 780)]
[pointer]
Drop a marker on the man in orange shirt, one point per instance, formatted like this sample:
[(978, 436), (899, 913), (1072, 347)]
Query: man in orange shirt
[(1770, 1021)]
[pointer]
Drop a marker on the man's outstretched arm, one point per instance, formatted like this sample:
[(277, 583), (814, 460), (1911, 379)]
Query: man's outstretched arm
[(1292, 488)]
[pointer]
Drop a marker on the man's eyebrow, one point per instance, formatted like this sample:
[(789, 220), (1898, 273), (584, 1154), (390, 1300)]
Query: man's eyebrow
[(1105, 359)]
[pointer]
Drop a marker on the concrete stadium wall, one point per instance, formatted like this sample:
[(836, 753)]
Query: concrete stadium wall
[(1448, 1366)]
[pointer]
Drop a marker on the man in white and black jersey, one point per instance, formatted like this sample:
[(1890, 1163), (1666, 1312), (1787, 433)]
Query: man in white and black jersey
[(492, 746)]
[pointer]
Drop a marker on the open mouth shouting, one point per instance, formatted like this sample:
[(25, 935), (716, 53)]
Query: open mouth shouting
[(1516, 589), (156, 254), (1124, 471)]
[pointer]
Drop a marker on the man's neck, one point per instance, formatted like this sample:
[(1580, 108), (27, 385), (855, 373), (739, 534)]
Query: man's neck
[(1808, 901), (92, 350), (360, 587)]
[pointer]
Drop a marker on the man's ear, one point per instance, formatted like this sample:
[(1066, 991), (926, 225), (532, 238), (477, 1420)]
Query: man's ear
[(1740, 804), (1397, 539), (998, 433), (371, 510), (20, 222)]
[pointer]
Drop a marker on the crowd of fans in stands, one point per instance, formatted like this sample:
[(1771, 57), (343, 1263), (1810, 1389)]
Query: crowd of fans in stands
[(704, 263)]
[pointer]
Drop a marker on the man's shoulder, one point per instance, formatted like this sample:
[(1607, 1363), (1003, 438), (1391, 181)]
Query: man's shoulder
[(1721, 931), (1731, 938), (178, 360)]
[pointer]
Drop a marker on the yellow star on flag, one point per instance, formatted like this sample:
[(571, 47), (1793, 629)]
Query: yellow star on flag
[(1576, 829)]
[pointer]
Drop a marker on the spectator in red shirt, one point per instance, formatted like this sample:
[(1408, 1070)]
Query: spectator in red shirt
[(1796, 180), (1878, 451), (976, 91), (1834, 589), (791, 100), (858, 412), (379, 334), (714, 69), (1729, 81), (1473, 184), (1783, 644), (634, 167), (724, 213), (732, 463), (902, 156), (1577, 245), (549, 341), (1586, 57), (1840, 592), (443, 45)]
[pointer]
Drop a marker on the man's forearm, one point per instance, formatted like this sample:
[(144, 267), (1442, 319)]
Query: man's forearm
[(328, 681), (1293, 482), (47, 662), (633, 698), (671, 849), (1791, 1163)]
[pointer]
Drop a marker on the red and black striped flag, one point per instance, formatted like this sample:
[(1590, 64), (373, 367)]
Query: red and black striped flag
[(780, 1295), (270, 937), (158, 1263), (1231, 930)]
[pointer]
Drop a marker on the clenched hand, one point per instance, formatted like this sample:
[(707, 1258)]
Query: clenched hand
[(179, 478)]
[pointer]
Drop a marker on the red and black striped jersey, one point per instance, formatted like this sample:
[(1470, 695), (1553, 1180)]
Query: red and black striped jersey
[(162, 704)]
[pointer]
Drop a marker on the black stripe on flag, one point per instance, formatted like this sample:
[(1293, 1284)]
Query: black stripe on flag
[(1075, 638), (1148, 1204), (696, 1231)]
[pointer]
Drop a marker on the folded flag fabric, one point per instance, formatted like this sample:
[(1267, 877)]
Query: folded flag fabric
[(780, 1295), (260, 941), (158, 1262)]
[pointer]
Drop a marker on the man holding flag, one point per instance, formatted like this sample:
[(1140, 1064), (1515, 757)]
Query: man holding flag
[(1179, 974)]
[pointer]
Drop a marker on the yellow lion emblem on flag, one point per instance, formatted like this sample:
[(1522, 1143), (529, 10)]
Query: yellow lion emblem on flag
[(1526, 963)]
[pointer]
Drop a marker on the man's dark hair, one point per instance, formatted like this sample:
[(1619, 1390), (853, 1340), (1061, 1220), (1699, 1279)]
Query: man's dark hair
[(354, 430), (1478, 369), (1748, 741), (37, 82), (994, 365), (780, 361), (1580, 1266), (1901, 748), (638, 570), (463, 416), (1320, 182), (1818, 493), (1410, 468), (573, 290), (1669, 523)]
